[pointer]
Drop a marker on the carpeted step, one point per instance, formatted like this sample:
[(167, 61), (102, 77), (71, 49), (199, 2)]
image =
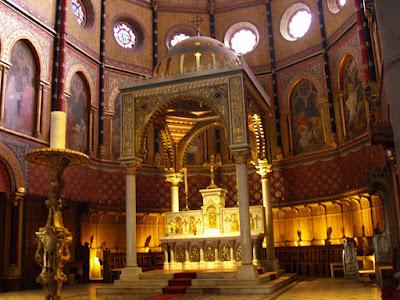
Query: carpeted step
[(175, 289), (180, 282), (185, 275)]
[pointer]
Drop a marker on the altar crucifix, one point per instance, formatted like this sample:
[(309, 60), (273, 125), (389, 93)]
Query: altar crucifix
[(212, 164)]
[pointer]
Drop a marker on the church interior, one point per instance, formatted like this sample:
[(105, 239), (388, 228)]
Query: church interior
[(236, 142)]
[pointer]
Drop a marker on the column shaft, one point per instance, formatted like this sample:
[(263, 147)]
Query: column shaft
[(131, 259), (243, 195), (175, 198), (266, 194)]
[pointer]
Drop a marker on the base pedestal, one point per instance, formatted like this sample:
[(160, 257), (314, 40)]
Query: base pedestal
[(246, 272), (272, 265), (129, 274)]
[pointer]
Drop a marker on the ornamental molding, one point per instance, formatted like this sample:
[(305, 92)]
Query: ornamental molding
[(38, 45)]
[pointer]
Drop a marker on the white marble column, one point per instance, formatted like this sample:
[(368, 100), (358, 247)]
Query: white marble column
[(263, 169), (131, 271), (246, 270), (174, 179)]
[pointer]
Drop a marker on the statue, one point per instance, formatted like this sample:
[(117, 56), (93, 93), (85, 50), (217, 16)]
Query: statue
[(350, 264)]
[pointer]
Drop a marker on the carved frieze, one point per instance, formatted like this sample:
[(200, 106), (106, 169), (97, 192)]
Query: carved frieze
[(127, 128), (238, 115)]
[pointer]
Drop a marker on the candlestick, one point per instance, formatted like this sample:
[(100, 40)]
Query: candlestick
[(186, 180)]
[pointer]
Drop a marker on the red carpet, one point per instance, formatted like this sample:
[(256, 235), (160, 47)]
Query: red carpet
[(179, 284)]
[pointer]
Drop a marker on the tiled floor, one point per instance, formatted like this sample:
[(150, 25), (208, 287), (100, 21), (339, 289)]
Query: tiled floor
[(313, 289)]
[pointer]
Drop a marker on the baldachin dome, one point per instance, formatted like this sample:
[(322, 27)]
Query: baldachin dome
[(195, 54)]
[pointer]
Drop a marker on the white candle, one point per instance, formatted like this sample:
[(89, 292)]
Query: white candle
[(58, 127)]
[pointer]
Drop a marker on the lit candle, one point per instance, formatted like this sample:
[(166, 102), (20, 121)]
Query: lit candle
[(185, 178), (58, 127)]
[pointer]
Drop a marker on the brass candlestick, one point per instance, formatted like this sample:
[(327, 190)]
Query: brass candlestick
[(212, 164), (53, 239)]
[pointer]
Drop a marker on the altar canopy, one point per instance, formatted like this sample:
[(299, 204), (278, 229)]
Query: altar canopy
[(201, 84)]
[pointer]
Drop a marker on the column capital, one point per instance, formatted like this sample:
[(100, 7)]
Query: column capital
[(132, 167), (263, 168), (174, 178), (240, 156)]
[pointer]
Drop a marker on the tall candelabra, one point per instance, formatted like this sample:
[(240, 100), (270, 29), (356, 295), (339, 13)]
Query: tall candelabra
[(53, 239)]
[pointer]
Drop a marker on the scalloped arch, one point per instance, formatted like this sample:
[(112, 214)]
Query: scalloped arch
[(79, 68), (37, 48)]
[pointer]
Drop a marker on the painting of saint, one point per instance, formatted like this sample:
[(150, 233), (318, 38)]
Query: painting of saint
[(20, 90), (77, 116), (116, 134), (353, 100), (307, 122), (195, 151)]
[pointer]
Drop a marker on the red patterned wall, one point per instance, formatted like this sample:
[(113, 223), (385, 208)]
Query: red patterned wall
[(5, 182)]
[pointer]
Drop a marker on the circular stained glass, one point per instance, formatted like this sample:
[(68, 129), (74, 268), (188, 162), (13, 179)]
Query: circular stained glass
[(295, 22), (243, 41), (179, 37), (299, 24), (78, 9), (242, 37), (335, 6), (124, 35)]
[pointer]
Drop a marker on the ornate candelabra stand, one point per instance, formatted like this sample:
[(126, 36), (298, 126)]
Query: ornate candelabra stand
[(53, 239)]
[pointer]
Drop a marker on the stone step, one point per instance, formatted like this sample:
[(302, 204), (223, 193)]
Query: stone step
[(127, 291), (156, 275), (142, 283), (239, 288), (179, 282)]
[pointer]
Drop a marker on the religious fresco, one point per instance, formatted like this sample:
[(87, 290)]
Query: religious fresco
[(78, 115), (116, 132), (353, 100), (195, 151), (307, 121), (20, 90)]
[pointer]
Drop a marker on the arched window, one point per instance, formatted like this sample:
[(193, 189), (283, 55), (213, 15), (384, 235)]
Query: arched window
[(353, 98), (21, 90), (116, 132), (78, 114), (307, 125)]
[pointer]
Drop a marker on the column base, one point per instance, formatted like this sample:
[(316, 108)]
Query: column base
[(272, 265), (129, 274), (246, 272)]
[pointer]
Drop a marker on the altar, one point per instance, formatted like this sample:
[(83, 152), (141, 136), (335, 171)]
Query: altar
[(209, 238)]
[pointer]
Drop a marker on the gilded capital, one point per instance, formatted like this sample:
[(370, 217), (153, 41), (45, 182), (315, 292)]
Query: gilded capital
[(174, 178), (132, 167), (263, 168), (240, 156)]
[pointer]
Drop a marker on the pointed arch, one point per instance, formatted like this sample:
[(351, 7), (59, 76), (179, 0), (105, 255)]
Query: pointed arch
[(306, 118)]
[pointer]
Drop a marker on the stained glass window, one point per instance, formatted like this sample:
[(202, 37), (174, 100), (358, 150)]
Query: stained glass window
[(299, 23), (242, 37), (179, 37), (243, 41), (78, 10), (124, 35)]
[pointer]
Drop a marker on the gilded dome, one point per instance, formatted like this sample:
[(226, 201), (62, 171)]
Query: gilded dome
[(195, 54)]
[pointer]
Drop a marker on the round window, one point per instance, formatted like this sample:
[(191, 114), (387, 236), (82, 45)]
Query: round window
[(335, 6), (178, 37), (79, 11), (125, 35), (242, 38), (295, 22)]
